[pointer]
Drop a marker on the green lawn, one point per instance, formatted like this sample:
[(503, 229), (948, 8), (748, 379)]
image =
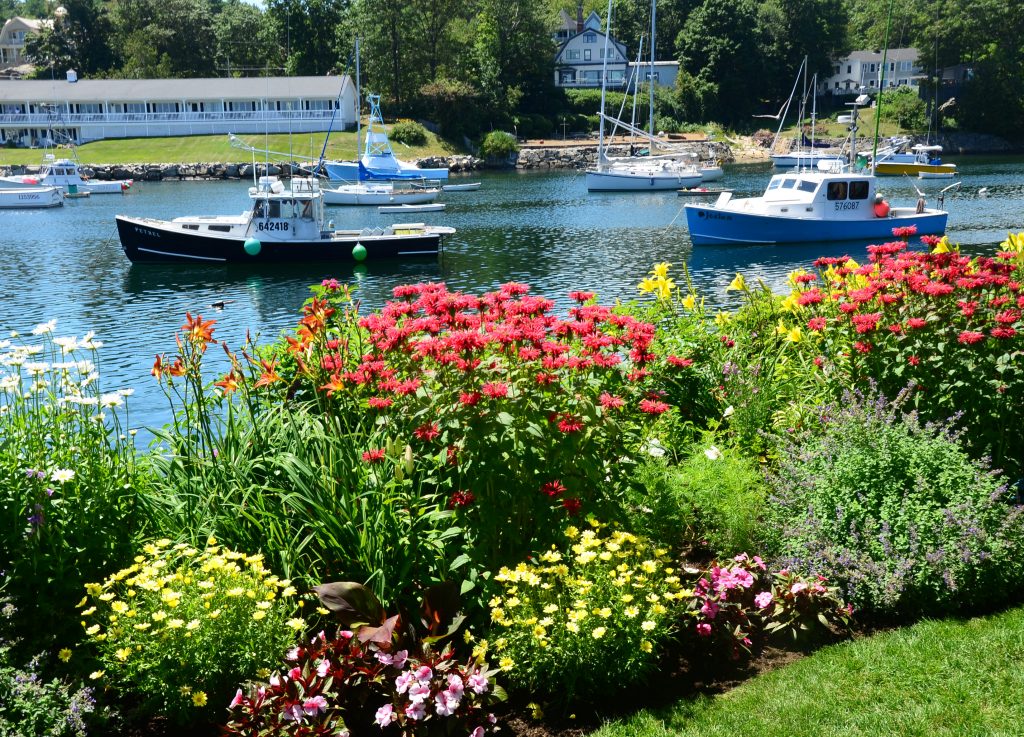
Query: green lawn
[(193, 149), (935, 679)]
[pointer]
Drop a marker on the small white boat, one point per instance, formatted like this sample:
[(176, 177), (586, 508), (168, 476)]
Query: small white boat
[(936, 174), (384, 193), (432, 207), (35, 197), (64, 173), (468, 187), (711, 172)]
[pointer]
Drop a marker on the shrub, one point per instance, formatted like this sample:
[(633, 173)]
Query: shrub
[(345, 685), (583, 624), (302, 474), (181, 626), (32, 705), (498, 145), (534, 126), (949, 325), (67, 472), (713, 500), (522, 417), (408, 132), (896, 512), (738, 603), (454, 105), (904, 106)]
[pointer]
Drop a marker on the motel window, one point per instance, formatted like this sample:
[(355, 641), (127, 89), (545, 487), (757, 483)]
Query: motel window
[(836, 191)]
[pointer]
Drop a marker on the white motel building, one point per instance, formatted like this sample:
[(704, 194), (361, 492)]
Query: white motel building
[(90, 110)]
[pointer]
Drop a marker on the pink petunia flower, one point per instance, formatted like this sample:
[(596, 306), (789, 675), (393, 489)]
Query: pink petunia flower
[(385, 715), (763, 599)]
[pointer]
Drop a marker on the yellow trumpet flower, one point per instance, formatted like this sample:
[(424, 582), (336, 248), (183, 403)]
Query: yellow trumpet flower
[(689, 302), (738, 284), (648, 285), (781, 328), (661, 270), (795, 335)]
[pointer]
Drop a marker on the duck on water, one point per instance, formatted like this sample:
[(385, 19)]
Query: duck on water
[(284, 224)]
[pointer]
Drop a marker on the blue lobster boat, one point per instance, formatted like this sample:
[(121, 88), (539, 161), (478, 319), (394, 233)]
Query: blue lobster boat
[(801, 207)]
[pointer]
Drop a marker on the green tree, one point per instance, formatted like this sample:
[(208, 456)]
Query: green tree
[(793, 29), (308, 32), (720, 51), (244, 39), (77, 40), (164, 38), (385, 28)]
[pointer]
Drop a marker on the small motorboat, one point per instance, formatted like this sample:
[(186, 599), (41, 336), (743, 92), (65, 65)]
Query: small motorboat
[(936, 174), (382, 193), (65, 173), (282, 225), (433, 207), (23, 197), (468, 187)]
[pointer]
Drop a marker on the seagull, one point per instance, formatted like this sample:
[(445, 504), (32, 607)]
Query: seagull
[(219, 304), (983, 192)]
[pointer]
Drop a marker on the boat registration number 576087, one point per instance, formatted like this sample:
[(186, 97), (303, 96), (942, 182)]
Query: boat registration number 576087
[(271, 226), (847, 205)]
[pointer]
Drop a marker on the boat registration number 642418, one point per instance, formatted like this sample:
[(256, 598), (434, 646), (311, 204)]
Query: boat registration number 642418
[(847, 205), (271, 226)]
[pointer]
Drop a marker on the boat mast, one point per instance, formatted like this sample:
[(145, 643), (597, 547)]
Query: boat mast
[(785, 108), (359, 100), (604, 84), (650, 79), (814, 111), (881, 85)]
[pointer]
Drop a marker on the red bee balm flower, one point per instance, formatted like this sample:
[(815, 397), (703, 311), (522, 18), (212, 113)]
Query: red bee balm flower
[(610, 401), (572, 506), (374, 455), (653, 406), (494, 389), (569, 424), (679, 361), (969, 337), (553, 488), (461, 499), (427, 432)]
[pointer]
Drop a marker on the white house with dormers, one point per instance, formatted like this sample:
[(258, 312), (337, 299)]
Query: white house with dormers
[(13, 36), (580, 57), (861, 71), (90, 110)]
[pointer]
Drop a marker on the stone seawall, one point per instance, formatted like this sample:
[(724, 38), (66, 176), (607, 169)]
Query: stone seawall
[(218, 170), (581, 157)]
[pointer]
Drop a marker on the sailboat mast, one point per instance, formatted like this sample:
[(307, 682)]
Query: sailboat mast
[(881, 86), (604, 84), (359, 100), (650, 80)]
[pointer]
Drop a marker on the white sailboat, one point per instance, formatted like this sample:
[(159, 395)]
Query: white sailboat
[(636, 173), (801, 159)]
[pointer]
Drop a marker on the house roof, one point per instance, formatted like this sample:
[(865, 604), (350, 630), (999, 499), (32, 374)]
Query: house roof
[(153, 90), (876, 56), (28, 24), (561, 49)]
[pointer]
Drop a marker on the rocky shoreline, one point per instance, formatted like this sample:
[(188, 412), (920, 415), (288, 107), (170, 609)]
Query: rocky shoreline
[(550, 156)]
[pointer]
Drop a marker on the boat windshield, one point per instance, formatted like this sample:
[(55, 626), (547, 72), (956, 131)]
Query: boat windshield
[(806, 186), (788, 183)]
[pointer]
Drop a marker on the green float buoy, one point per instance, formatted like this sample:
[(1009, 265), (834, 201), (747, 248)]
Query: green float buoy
[(359, 252), (252, 246)]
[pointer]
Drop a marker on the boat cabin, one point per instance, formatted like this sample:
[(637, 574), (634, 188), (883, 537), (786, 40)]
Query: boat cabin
[(284, 214), (830, 195)]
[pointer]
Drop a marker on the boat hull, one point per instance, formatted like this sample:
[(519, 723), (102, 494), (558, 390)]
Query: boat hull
[(92, 186), (800, 160), (891, 168), (31, 197), (350, 171), (712, 226), (355, 198), (711, 173), (612, 181), (145, 241)]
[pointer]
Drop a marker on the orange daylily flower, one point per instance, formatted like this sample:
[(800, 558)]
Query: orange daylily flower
[(269, 375), (197, 330), (336, 384), (229, 383), (158, 366), (176, 369)]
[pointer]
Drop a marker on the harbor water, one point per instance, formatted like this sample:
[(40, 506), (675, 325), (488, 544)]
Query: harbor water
[(541, 228)]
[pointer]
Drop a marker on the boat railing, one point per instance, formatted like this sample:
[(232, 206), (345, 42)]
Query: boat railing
[(70, 119)]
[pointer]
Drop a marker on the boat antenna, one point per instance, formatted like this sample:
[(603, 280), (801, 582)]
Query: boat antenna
[(604, 83), (881, 85)]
